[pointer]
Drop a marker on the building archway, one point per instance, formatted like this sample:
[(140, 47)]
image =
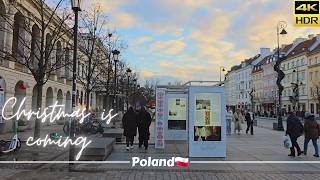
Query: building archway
[(68, 107), (34, 98), (20, 93), (49, 97), (60, 97)]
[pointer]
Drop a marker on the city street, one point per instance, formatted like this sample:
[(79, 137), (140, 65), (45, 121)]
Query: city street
[(83, 84), (264, 145)]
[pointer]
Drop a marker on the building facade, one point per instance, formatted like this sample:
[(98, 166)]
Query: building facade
[(17, 81)]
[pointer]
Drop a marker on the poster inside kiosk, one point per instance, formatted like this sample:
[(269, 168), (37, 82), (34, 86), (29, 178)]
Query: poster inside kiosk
[(176, 115), (207, 122)]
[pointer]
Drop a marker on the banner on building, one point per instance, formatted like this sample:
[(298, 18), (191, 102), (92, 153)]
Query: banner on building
[(159, 130)]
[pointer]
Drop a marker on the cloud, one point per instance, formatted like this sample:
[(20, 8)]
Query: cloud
[(191, 39), (142, 40), (147, 74), (171, 47)]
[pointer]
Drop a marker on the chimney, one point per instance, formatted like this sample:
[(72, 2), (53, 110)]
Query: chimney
[(264, 52), (298, 40), (310, 36)]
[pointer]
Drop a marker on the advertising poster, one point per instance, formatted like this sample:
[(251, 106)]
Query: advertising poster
[(177, 113), (207, 123), (1, 104), (159, 134)]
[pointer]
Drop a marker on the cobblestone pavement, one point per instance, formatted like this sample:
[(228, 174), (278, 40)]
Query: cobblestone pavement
[(265, 145), (165, 175)]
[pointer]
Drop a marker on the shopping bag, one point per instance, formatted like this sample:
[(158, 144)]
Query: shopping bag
[(287, 142)]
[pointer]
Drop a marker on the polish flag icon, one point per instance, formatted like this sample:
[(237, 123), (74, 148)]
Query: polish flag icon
[(179, 161)]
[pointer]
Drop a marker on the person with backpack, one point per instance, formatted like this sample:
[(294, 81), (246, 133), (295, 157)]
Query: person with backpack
[(311, 132), (294, 130)]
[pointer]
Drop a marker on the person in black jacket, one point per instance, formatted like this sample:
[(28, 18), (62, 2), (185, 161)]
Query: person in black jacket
[(144, 121), (294, 130), (249, 122), (129, 122)]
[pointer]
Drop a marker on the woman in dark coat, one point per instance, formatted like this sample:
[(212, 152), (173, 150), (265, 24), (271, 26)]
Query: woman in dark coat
[(294, 130), (144, 121), (311, 132), (129, 122)]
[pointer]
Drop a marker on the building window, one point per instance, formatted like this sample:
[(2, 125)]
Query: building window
[(82, 72), (312, 108)]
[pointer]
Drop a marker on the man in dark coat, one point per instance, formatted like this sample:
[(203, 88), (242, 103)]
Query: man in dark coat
[(311, 132), (130, 123), (144, 121), (249, 123), (294, 130)]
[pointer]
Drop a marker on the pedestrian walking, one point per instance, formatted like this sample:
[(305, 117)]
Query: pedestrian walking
[(237, 119), (249, 119), (130, 123), (294, 130), (229, 119), (144, 122), (311, 132)]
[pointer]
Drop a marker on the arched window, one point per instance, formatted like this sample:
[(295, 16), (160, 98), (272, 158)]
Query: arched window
[(35, 46), (68, 67), (18, 36), (59, 58), (48, 50), (2, 25)]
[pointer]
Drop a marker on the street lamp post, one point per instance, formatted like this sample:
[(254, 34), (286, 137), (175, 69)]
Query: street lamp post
[(116, 59), (76, 7), (222, 69), (129, 74), (280, 31), (296, 90), (134, 85)]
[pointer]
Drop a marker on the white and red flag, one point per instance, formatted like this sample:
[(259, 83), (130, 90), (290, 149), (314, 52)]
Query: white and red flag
[(179, 161)]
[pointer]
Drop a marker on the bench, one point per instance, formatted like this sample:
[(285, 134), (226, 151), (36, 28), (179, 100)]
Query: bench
[(113, 133), (98, 150)]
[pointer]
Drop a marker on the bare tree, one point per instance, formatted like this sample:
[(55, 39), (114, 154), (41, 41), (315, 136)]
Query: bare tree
[(36, 47), (111, 42), (149, 88), (91, 50)]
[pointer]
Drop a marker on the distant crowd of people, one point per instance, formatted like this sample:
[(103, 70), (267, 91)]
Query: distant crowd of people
[(239, 117), (134, 120)]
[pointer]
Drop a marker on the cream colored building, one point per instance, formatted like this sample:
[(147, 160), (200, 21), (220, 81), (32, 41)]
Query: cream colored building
[(17, 81), (314, 79), (295, 67)]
